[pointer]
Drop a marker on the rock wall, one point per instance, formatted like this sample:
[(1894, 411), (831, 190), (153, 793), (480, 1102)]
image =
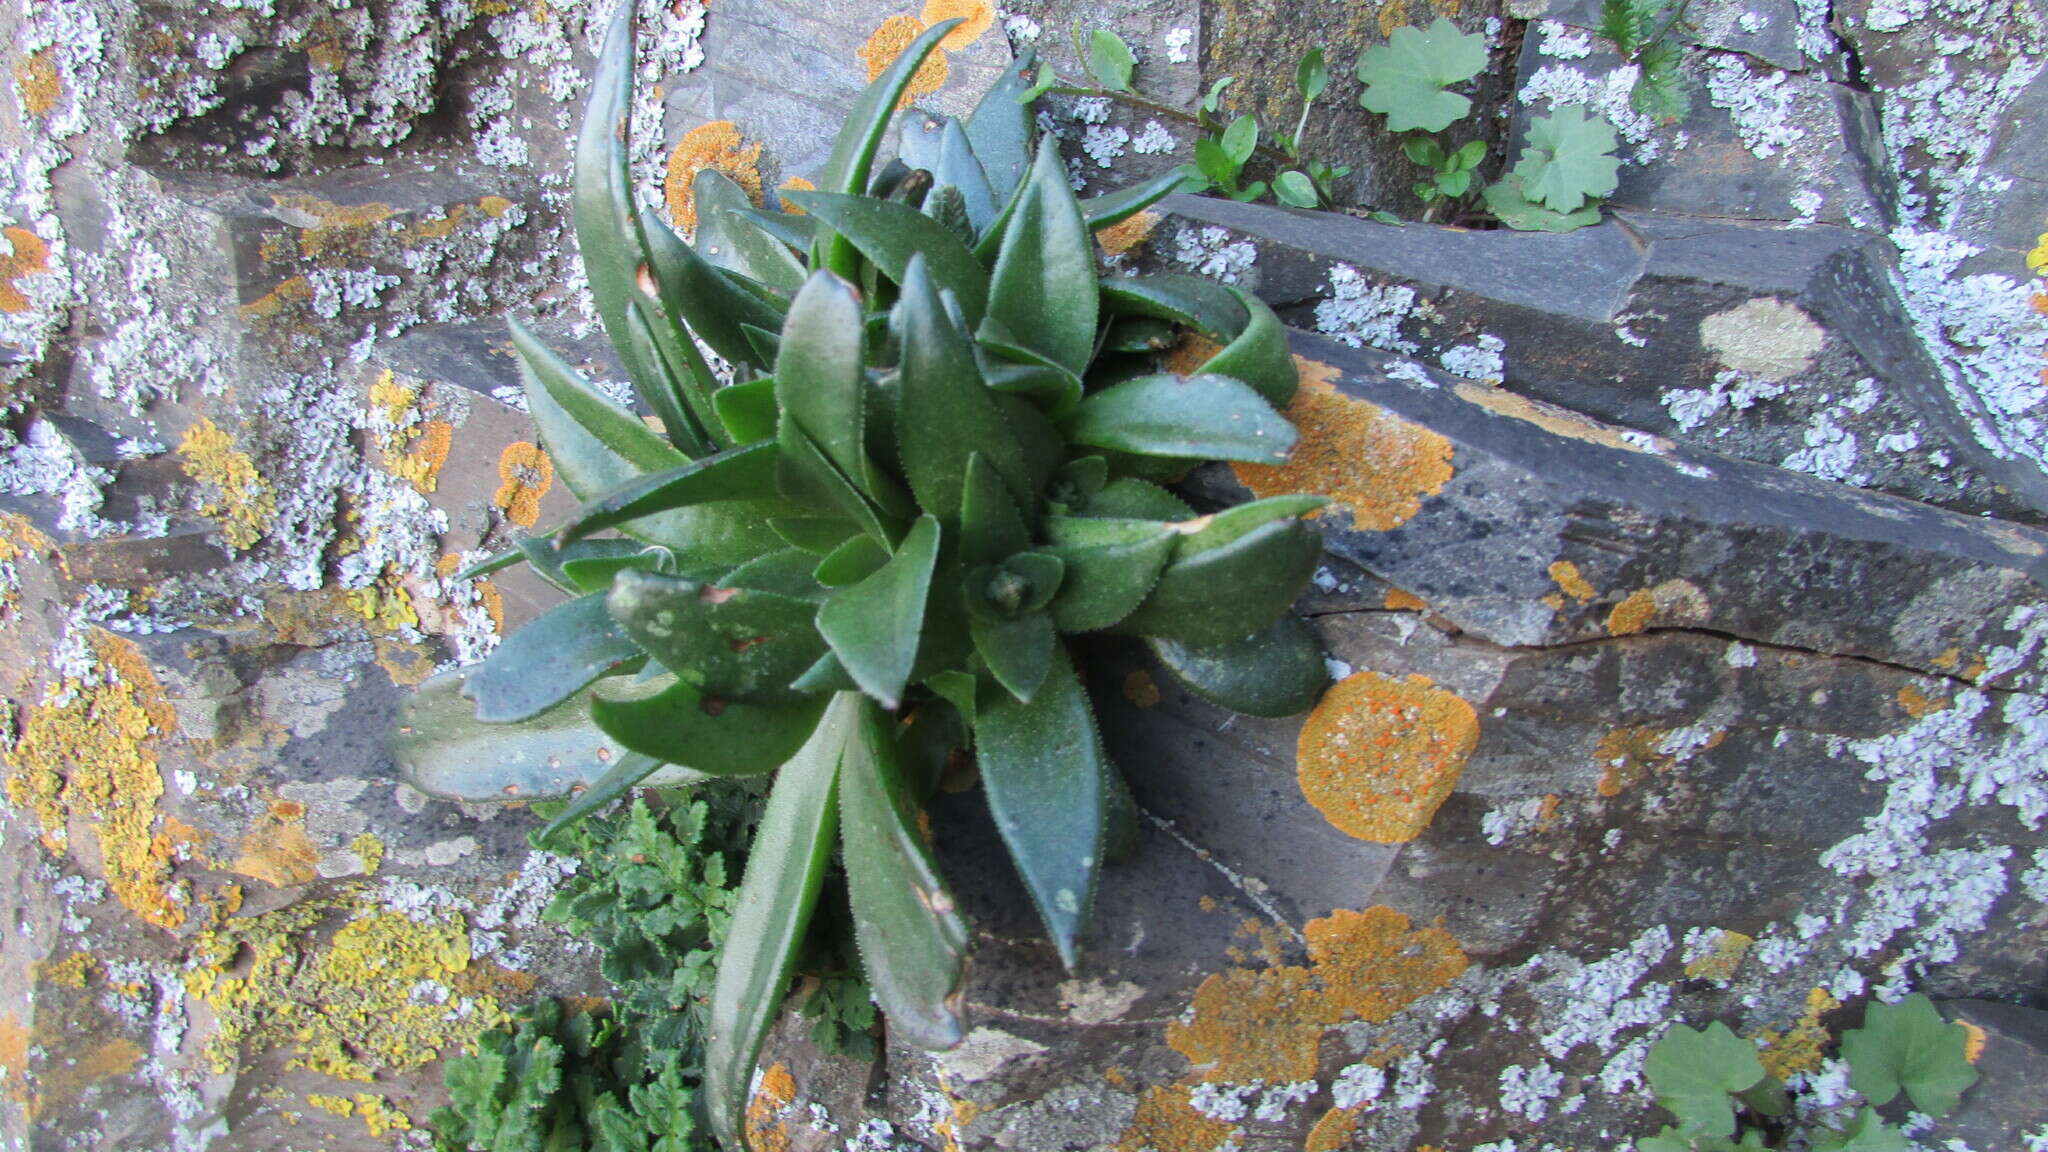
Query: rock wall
[(1686, 582)]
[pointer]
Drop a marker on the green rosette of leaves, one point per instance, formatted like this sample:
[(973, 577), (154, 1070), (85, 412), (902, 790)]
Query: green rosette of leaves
[(937, 458)]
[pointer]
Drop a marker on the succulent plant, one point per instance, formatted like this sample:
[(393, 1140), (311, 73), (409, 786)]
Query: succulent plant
[(939, 455)]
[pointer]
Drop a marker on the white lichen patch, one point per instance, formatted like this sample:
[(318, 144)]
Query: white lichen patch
[(1359, 312), (1608, 94), (1213, 253), (1481, 360)]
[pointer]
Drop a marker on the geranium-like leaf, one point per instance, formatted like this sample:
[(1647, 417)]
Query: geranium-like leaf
[(1507, 203), (1228, 593), (745, 474), (1110, 60), (945, 413), (1042, 291), (1568, 160), (1694, 1072), (913, 944), (1866, 1133), (1043, 768), (1908, 1045), (549, 661), (1277, 672), (1405, 78), (731, 643), (891, 235), (1259, 355), (874, 625), (676, 723), (786, 866), (1209, 417), (442, 749)]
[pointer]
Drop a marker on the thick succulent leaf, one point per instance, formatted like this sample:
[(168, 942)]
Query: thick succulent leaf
[(1107, 573), (548, 661), (626, 773), (818, 535), (748, 410), (959, 168), (819, 378), (1043, 768), (1043, 289), (874, 625), (827, 675), (991, 528), (785, 869), (1220, 528), (1044, 448), (918, 137), (945, 414), (442, 749), (1229, 593), (766, 345), (1259, 356), (729, 643), (853, 153), (676, 723), (1018, 652), (796, 231), (1908, 1045), (736, 474), (548, 560), (1277, 672), (1016, 369), (786, 573), (1208, 417), (1143, 335), (1118, 206), (730, 240), (595, 573), (1128, 497), (807, 478), (717, 306), (856, 559), (1202, 304), (913, 944), (891, 235), (1000, 129), (957, 688)]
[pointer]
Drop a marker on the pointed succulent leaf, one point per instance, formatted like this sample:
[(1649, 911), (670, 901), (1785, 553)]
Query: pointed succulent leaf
[(1259, 355), (1214, 309), (1141, 334), (1568, 160), (596, 573), (1694, 1072), (1277, 672), (1108, 572), (785, 573), (549, 661), (1113, 208), (547, 560), (959, 168), (913, 943), (1908, 1045), (818, 535), (1043, 768), (874, 625), (1130, 498), (442, 749), (736, 474), (891, 234), (1000, 129), (673, 721), (1405, 78), (718, 307), (945, 414), (949, 208), (1209, 417), (853, 153), (1220, 528), (729, 643), (1043, 288), (796, 231), (1018, 651), (1016, 370), (991, 527), (729, 239), (827, 675), (856, 558), (819, 379), (626, 773), (786, 867), (1228, 593), (807, 478), (747, 410)]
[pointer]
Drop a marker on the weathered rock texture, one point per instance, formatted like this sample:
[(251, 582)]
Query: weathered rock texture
[(1685, 581)]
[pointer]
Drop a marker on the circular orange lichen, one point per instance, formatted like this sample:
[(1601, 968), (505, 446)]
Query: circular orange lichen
[(1372, 965), (795, 184), (1130, 233), (717, 146), (888, 42), (1398, 601), (978, 14), (1633, 614), (1140, 689), (29, 256), (1570, 582), (525, 474), (1366, 458), (41, 85), (1378, 756)]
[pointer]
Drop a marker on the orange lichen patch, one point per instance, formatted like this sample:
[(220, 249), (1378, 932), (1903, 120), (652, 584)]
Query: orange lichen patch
[(414, 450), (277, 850), (1366, 458), (1189, 353), (494, 206), (236, 494), (1372, 965), (525, 474), (296, 290), (1803, 1046), (717, 146), (1722, 958), (28, 256), (1378, 756), (1632, 615), (1569, 582), (20, 540), (1128, 233), (332, 228), (1671, 602), (41, 87), (767, 1128), (1973, 1041), (1919, 704), (67, 1074), (978, 14), (795, 184), (70, 972), (14, 1055), (440, 229), (1398, 601), (1167, 1122), (1948, 659), (888, 42), (87, 756), (1333, 1131), (1551, 418), (1253, 1025), (1140, 689)]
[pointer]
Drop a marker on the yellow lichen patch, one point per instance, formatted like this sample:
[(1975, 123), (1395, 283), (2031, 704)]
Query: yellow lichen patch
[(87, 756), (235, 493), (495, 207), (1378, 756), (20, 540), (525, 474), (440, 229), (1140, 689), (978, 14), (330, 228), (1253, 1025), (1372, 965), (1918, 704), (888, 42), (14, 1055), (1671, 602), (1366, 458), (1973, 1041), (767, 1122), (1398, 601), (379, 1115), (370, 850), (414, 449), (1803, 1046), (1556, 420), (28, 255), (1722, 957), (352, 1008), (1128, 233), (295, 290), (36, 75), (1633, 614), (1167, 1122), (1566, 575), (277, 850), (2037, 260), (70, 972), (717, 146), (1333, 1131)]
